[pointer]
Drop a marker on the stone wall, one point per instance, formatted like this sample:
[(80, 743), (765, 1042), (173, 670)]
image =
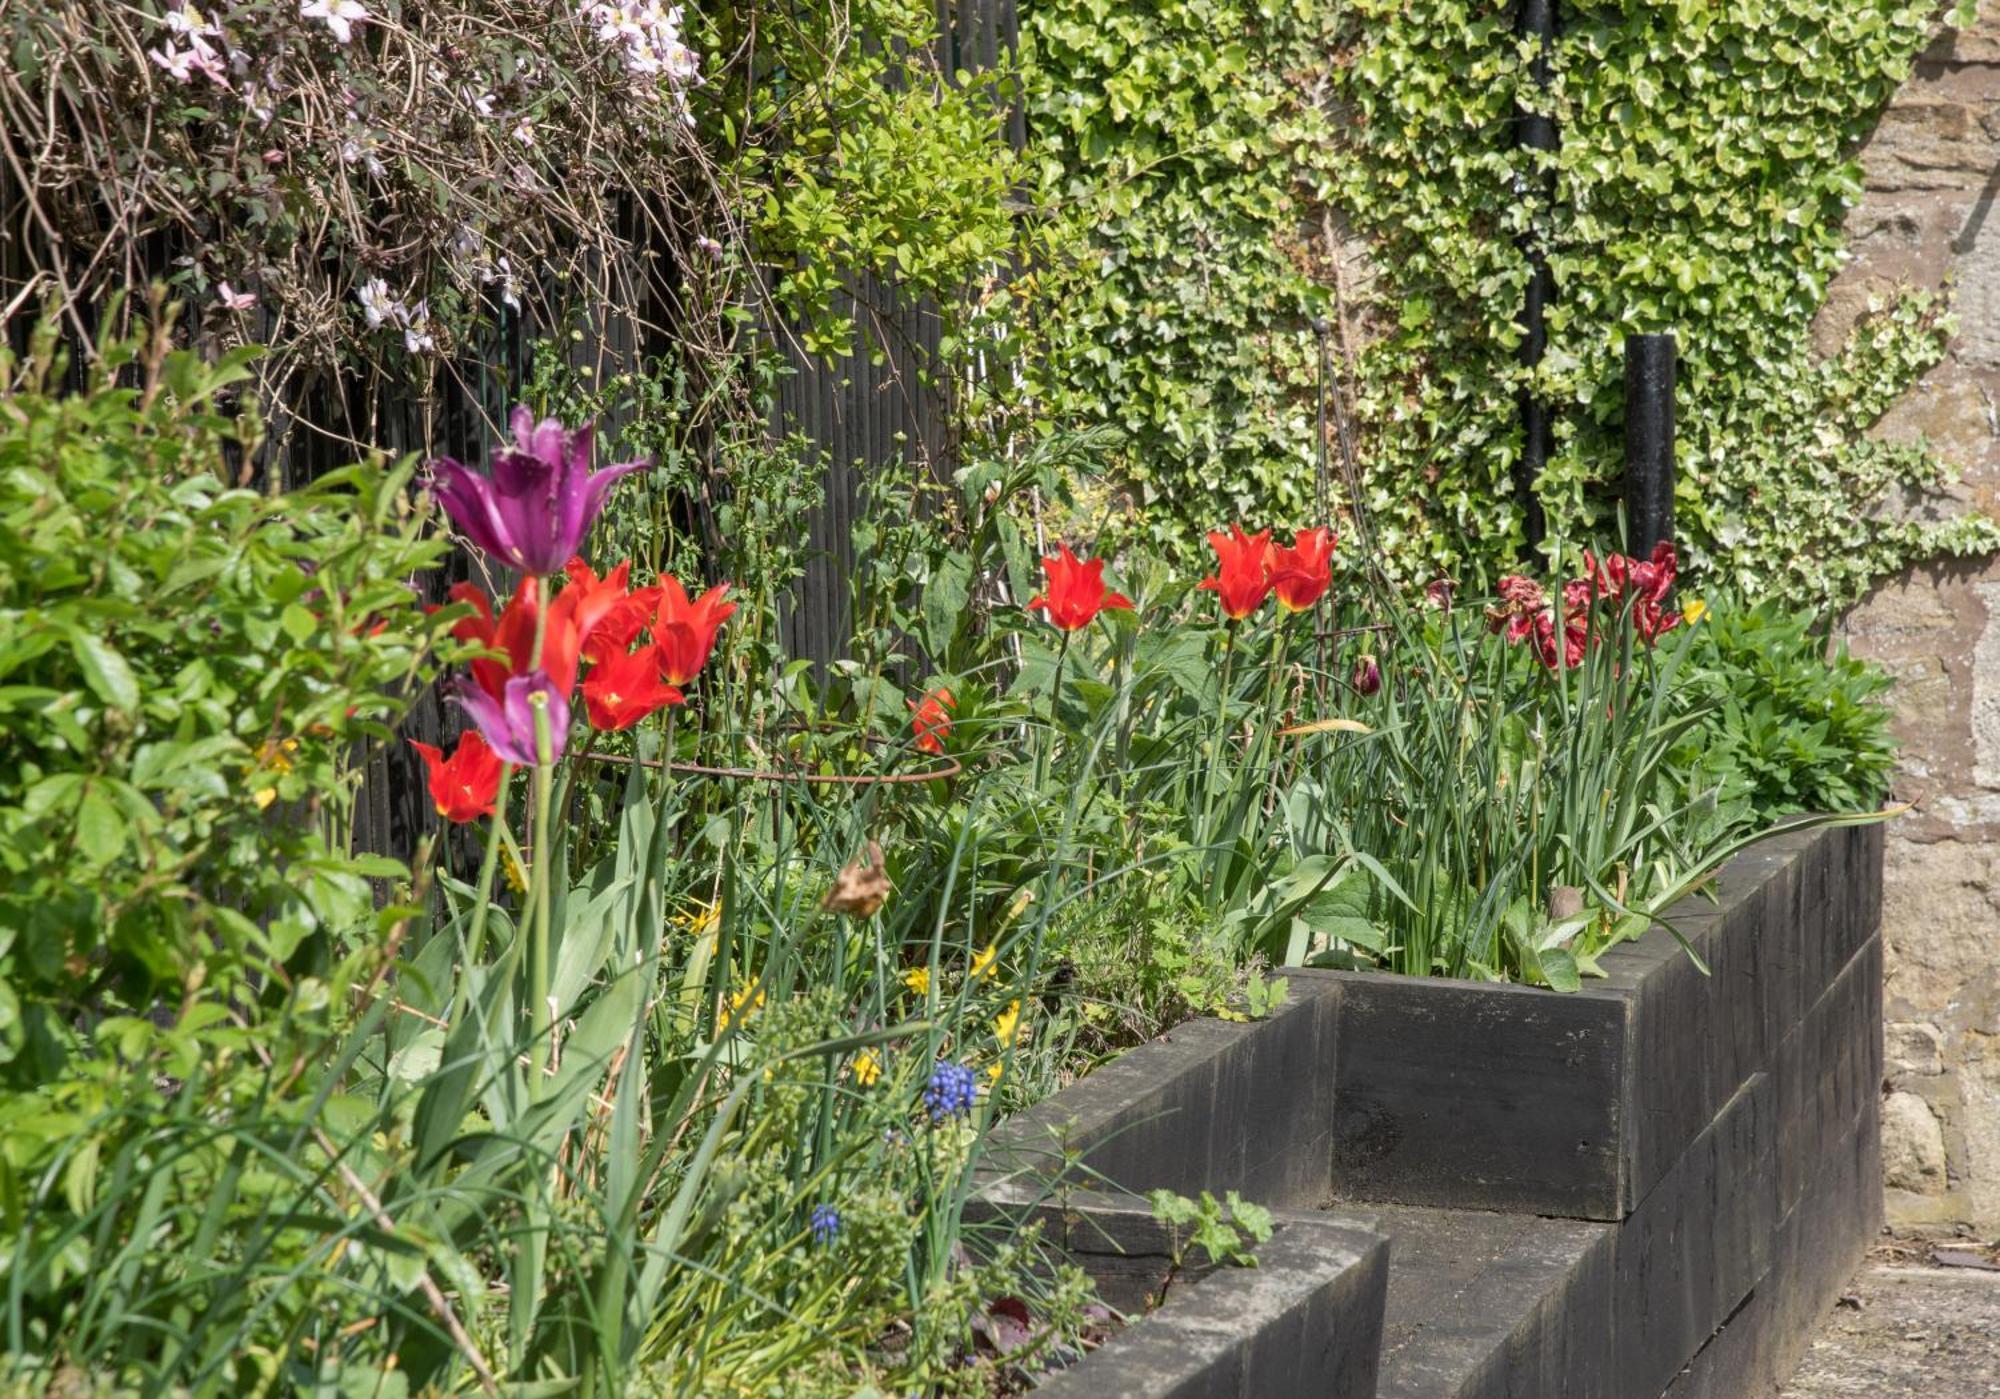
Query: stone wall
[(1928, 219)]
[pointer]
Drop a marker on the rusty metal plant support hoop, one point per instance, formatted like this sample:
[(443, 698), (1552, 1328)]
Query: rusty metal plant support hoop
[(950, 768)]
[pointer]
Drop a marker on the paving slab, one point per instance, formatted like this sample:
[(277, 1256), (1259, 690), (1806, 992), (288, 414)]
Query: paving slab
[(1903, 1328)]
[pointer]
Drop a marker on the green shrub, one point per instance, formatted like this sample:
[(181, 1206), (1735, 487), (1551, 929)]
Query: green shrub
[(1795, 723), (185, 666)]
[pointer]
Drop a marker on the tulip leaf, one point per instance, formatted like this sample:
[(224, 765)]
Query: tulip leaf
[(109, 676)]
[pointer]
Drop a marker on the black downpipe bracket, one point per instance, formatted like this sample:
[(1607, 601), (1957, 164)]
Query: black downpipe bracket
[(1536, 21), (1649, 441)]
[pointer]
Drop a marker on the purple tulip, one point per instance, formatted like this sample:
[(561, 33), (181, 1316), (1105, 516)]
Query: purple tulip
[(508, 723), (1367, 676), (533, 511)]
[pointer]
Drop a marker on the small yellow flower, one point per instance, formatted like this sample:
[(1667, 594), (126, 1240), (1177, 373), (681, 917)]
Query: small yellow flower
[(918, 979), (742, 1005), (276, 755), (700, 921), (264, 796), (510, 870), (1693, 611), (993, 1071), (867, 1068), (983, 960), (1007, 1022)]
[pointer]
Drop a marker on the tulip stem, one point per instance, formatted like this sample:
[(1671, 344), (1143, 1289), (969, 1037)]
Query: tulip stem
[(1273, 694), (541, 621), (539, 1016), (1055, 717), (1221, 734), (475, 937)]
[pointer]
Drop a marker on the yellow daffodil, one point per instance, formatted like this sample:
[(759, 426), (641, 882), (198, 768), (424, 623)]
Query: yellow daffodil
[(867, 1068), (1007, 1022), (700, 921), (918, 979), (983, 960), (1693, 610), (742, 1005)]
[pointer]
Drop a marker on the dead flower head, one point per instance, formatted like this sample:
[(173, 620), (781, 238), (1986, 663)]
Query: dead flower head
[(859, 889)]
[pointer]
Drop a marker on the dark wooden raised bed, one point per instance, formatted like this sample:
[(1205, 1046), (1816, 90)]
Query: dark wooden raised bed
[(1709, 1142), (1305, 1323)]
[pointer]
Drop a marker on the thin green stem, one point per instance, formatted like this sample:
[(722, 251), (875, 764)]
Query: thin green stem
[(475, 937), (539, 1012)]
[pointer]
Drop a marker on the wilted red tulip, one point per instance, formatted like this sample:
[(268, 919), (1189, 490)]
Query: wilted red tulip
[(1525, 613), (931, 721), (1522, 600), (622, 689), (1301, 574), (684, 631), (1242, 579), (465, 785), (1367, 676), (1576, 639), (1075, 591)]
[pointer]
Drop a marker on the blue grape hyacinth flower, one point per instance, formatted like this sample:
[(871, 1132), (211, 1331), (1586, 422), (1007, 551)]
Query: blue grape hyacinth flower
[(952, 1091), (825, 1223)]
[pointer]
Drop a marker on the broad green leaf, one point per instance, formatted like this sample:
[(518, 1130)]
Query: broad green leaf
[(107, 673)]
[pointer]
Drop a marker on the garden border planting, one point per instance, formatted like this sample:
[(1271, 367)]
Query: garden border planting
[(1723, 1126)]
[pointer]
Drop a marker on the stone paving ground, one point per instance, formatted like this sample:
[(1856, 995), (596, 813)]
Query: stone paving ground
[(1908, 1326)]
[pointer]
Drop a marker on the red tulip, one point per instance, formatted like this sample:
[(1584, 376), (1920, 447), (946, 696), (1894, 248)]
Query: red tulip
[(684, 632), (1301, 574), (482, 630), (931, 721), (586, 603), (622, 689), (1521, 601), (1075, 591), (619, 626), (466, 785), (1243, 571)]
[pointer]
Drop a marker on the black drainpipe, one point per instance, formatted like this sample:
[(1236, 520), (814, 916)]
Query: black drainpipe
[(1536, 131)]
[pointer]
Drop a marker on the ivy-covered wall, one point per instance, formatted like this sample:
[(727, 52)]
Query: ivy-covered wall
[(1182, 149), (1705, 167)]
